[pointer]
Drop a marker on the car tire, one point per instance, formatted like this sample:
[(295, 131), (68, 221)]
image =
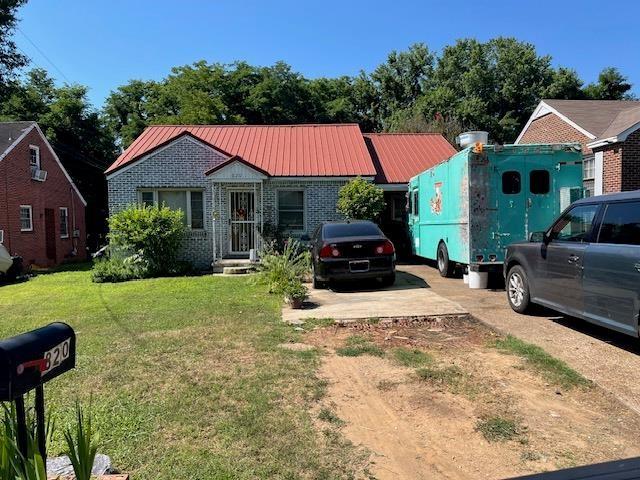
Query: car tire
[(389, 280), (317, 284), (517, 287), (445, 267)]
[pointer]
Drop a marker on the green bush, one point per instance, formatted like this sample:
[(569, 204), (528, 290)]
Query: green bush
[(119, 268), (279, 269), (361, 200), (295, 290)]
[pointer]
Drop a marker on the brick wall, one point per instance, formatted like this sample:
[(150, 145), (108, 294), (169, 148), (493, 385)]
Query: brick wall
[(611, 168), (631, 162), (17, 188), (182, 165), (552, 129)]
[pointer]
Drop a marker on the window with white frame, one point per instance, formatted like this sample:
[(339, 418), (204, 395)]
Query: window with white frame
[(588, 168), (26, 218), (34, 157), (291, 210), (64, 222), (190, 202)]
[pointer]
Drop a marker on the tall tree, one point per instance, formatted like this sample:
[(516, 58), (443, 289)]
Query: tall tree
[(10, 58), (611, 85)]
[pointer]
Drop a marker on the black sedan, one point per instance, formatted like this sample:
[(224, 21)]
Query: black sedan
[(352, 250)]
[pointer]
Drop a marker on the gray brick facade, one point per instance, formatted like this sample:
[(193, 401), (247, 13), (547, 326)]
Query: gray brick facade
[(182, 164)]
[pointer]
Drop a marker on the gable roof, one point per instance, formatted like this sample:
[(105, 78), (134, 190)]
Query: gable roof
[(400, 156), (597, 119), (278, 150), (11, 133)]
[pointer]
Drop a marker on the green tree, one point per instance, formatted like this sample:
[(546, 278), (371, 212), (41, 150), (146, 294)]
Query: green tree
[(611, 85), (10, 58), (361, 200), (565, 85)]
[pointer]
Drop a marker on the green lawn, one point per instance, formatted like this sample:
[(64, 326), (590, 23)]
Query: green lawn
[(185, 375)]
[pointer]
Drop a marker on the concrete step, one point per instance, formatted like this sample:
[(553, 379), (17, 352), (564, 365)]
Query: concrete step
[(238, 270)]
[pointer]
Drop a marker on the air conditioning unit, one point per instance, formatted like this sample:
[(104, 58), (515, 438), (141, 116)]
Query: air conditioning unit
[(39, 175), (76, 233)]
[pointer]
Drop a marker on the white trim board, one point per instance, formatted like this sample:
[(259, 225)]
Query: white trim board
[(544, 109)]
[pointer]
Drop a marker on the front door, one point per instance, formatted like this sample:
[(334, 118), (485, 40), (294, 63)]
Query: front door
[(50, 233), (242, 220)]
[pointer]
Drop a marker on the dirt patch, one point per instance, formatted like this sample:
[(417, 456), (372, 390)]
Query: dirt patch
[(296, 347), (471, 411)]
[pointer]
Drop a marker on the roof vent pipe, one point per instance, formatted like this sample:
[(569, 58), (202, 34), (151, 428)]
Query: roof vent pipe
[(468, 139)]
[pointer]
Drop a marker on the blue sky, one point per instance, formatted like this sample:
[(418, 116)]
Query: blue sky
[(105, 43)]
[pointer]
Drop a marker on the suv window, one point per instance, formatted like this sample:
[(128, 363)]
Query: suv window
[(575, 225), (539, 182), (621, 224), (511, 183)]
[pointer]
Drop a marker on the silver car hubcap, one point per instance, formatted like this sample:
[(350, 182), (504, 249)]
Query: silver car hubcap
[(516, 289)]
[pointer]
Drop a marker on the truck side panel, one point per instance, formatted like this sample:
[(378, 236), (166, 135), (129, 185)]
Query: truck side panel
[(443, 210)]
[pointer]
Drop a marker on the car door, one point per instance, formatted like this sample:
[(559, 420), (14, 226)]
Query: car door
[(612, 269), (561, 260)]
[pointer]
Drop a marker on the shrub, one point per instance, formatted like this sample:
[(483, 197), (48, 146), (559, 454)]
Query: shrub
[(118, 268), (154, 233), (278, 270), (360, 200), (295, 290)]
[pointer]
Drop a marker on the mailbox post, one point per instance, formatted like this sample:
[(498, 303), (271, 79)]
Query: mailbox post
[(27, 362)]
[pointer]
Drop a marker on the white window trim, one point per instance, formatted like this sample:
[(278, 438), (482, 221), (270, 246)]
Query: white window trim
[(188, 191), (66, 210), (304, 208), (1, 236), (37, 149), (30, 208)]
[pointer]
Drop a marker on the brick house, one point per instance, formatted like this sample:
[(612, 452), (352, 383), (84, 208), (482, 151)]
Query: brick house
[(234, 181), (42, 213), (607, 131)]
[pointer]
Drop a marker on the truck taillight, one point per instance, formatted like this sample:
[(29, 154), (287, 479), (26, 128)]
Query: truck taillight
[(386, 248), (328, 251)]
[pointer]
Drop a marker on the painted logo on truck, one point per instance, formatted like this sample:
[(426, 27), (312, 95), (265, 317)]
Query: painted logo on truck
[(436, 201)]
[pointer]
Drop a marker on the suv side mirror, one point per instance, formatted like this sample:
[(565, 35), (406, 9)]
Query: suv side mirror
[(538, 237)]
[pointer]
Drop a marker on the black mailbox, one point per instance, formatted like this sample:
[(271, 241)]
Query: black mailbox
[(33, 358)]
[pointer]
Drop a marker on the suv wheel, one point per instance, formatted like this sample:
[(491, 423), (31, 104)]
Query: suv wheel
[(518, 289)]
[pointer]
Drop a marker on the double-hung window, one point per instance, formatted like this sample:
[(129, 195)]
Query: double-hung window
[(588, 168), (26, 218), (291, 210), (190, 202), (64, 222)]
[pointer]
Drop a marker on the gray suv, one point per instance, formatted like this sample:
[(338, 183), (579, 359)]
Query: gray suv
[(586, 265)]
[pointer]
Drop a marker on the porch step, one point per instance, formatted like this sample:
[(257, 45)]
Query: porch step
[(238, 270), (233, 266)]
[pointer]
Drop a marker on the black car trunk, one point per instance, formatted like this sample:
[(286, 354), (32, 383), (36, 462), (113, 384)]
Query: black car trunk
[(356, 247)]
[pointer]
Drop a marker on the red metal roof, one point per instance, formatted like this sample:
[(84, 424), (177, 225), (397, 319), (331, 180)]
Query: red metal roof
[(279, 150), (400, 156)]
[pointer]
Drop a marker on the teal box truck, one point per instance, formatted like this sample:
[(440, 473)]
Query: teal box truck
[(468, 209)]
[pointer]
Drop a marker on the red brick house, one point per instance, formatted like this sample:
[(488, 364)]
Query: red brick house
[(608, 130), (42, 213)]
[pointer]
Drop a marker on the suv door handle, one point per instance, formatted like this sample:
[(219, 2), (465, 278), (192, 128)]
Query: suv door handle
[(573, 258)]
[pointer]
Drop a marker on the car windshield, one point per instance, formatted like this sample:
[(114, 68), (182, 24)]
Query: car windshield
[(337, 230)]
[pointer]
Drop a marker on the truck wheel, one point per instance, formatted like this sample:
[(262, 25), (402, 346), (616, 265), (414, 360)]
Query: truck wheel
[(518, 289), (445, 267)]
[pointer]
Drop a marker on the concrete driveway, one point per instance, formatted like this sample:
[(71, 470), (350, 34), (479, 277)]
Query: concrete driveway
[(409, 297), (610, 359)]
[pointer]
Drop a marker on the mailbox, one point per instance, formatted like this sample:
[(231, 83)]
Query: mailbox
[(35, 357)]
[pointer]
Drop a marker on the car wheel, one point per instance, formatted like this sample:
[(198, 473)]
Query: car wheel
[(317, 284), (389, 280), (518, 289), (445, 267)]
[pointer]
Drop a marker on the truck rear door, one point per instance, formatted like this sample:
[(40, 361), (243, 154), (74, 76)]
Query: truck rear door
[(511, 196)]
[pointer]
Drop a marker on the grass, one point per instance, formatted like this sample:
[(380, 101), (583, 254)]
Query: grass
[(357, 345), (449, 376), (329, 416), (498, 429), (552, 369), (411, 357), (185, 375)]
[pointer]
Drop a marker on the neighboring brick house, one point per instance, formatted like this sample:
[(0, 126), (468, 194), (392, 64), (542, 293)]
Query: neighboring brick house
[(234, 181), (607, 131), (42, 213)]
